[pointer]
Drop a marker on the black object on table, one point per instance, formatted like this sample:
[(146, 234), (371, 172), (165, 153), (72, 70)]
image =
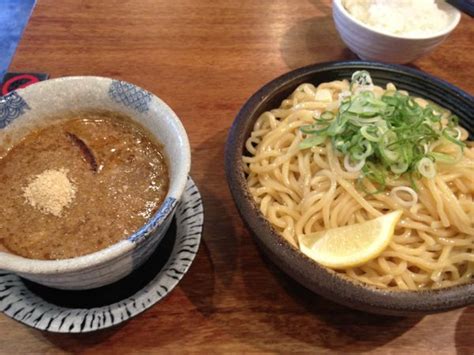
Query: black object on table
[(466, 6), (13, 81)]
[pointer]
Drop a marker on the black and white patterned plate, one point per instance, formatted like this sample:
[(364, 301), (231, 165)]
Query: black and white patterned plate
[(85, 311)]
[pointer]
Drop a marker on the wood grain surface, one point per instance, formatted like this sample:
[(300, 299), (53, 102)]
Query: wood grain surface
[(205, 58)]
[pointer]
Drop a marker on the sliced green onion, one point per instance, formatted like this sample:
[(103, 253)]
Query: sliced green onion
[(312, 129), (361, 122), (432, 114), (362, 78), (311, 141), (426, 168), (374, 173), (353, 168), (453, 121), (395, 193), (389, 156), (451, 135), (399, 168), (362, 151), (370, 133), (385, 137), (327, 116), (445, 158)]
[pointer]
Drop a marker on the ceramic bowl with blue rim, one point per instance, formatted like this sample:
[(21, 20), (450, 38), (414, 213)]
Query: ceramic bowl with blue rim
[(39, 105)]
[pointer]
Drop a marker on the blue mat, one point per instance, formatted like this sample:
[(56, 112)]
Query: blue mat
[(14, 15)]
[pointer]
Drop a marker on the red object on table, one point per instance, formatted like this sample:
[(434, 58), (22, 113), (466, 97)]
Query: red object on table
[(13, 81)]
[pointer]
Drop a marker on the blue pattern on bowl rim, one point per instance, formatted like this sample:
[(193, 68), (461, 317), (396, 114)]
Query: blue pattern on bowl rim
[(160, 216), (12, 106), (129, 95)]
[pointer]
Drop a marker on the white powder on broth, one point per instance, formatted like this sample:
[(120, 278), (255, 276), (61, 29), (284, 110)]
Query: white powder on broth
[(50, 192), (409, 18)]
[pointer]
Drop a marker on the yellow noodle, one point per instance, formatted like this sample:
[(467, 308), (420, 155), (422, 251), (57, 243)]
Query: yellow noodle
[(305, 191)]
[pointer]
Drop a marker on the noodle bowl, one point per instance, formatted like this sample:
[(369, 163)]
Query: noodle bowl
[(302, 190)]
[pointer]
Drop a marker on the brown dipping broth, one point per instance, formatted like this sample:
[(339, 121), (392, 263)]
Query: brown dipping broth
[(119, 173)]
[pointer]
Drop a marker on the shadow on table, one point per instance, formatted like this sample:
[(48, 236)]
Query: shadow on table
[(218, 259), (463, 338), (312, 41), (219, 232), (199, 282), (75, 343), (323, 6), (332, 326)]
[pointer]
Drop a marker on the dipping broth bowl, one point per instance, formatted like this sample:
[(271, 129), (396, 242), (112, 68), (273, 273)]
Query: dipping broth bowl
[(288, 258), (38, 105)]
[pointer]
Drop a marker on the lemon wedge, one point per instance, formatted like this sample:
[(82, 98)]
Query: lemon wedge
[(350, 246)]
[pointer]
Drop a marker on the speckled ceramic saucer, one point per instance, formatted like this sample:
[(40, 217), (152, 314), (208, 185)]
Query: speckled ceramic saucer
[(85, 311)]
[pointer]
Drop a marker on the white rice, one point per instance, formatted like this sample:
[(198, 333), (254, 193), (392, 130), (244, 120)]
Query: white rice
[(409, 18)]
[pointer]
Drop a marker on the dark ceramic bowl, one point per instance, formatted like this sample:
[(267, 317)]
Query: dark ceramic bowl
[(310, 274)]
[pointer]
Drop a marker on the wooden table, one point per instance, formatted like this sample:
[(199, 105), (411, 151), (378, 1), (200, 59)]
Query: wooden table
[(205, 58)]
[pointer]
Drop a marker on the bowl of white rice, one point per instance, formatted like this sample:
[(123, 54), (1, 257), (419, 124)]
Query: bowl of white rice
[(394, 31)]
